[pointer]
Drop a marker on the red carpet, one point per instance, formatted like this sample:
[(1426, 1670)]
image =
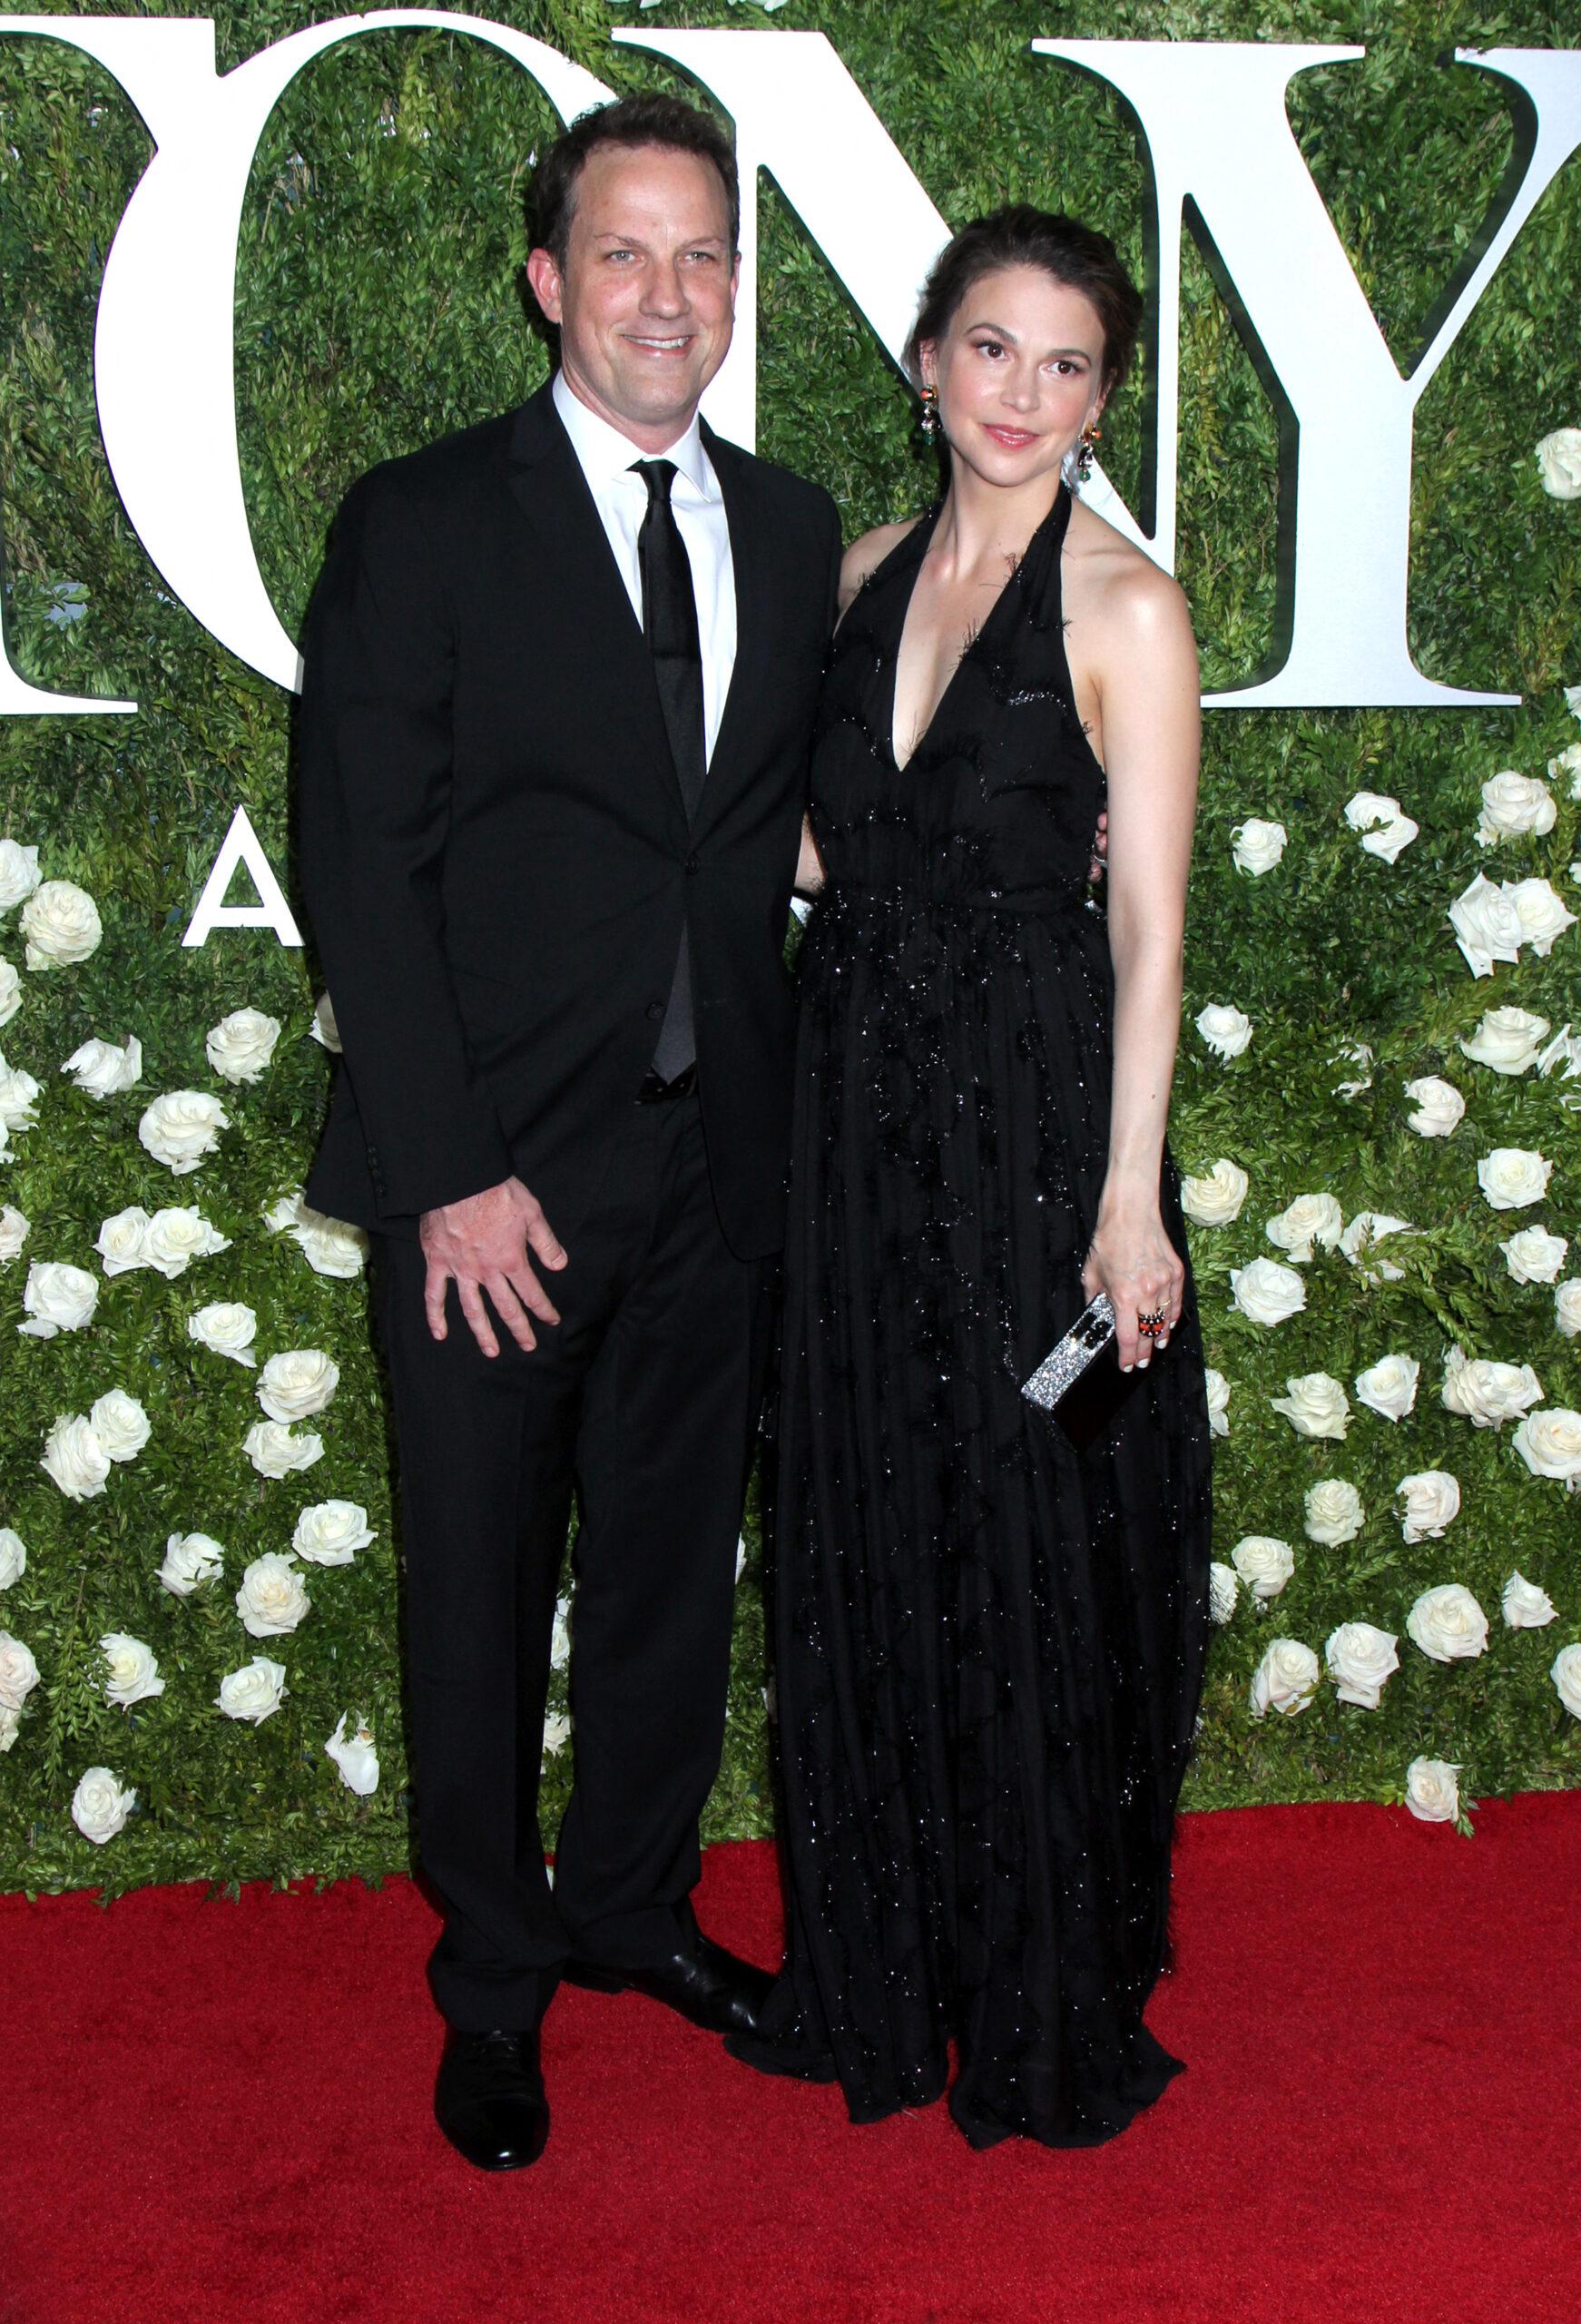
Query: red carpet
[(217, 2114)]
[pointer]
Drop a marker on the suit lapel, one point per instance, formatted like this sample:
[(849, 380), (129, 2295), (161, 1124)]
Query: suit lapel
[(573, 551)]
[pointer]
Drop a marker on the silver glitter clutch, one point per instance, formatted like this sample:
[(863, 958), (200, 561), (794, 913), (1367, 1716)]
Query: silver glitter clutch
[(1066, 1360)]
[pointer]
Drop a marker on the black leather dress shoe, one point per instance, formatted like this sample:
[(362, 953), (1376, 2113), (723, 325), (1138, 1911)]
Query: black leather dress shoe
[(701, 1979), (489, 2099)]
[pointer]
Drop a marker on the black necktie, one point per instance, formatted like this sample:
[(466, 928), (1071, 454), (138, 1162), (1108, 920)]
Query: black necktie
[(670, 626)]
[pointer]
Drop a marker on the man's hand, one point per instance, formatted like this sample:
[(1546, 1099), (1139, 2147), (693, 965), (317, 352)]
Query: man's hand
[(1100, 847), (482, 1243)]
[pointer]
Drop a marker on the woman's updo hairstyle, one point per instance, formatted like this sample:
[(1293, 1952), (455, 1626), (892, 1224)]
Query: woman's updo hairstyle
[(1063, 248)]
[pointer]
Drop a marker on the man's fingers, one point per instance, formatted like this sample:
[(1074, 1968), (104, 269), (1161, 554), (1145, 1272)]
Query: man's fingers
[(505, 1301), (543, 1241), (435, 1284), (532, 1295), (477, 1315)]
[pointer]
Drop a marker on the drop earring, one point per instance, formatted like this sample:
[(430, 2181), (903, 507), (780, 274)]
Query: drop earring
[(1090, 435), (930, 422)]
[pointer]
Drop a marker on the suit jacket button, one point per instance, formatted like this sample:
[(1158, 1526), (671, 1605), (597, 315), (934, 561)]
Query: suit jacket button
[(653, 1011), (692, 867)]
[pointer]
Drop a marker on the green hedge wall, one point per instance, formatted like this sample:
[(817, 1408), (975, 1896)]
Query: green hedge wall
[(377, 307)]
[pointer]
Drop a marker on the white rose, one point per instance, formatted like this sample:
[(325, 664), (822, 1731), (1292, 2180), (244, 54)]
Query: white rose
[(1310, 1218), (10, 991), (1264, 1563), (12, 1557), (1567, 762), (18, 1671), (1508, 1039), (272, 1599), (331, 1247), (1488, 1393), (1388, 1387), (1391, 842), (1562, 1050), (122, 1242), (10, 1727), (1333, 1511), (100, 1805), (275, 1451), (1432, 1500), (1567, 1308), (131, 1673), (1315, 1405), (1449, 1624), (1526, 1607), (1512, 804), (298, 1383), (1540, 910), (176, 1237), (1219, 1399), (1357, 1053), (1267, 1291), (355, 1757), (1440, 1107), (18, 1097), (331, 1533), (1368, 808), (1223, 1588), (324, 1029), (190, 1561), (253, 1692), (560, 1637), (1367, 1229), (1431, 1792), (74, 1458), (1216, 1200), (61, 925), (1486, 926), (179, 1128), (1566, 1675), (14, 1231), (1256, 846), (18, 874), (225, 1328), (1360, 1660), (1572, 699), (556, 1733), (1511, 1176), (1226, 1030), (1285, 1679), (1534, 1255), (121, 1425), (1559, 459), (240, 1046), (1549, 1443), (59, 1298), (105, 1068)]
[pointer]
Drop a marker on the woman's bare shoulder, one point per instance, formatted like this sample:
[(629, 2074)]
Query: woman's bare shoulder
[(867, 552), (1125, 584)]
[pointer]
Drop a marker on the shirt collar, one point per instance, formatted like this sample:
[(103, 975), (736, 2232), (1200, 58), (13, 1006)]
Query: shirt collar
[(605, 453)]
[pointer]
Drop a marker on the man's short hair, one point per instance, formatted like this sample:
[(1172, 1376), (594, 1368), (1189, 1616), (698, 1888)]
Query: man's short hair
[(649, 120)]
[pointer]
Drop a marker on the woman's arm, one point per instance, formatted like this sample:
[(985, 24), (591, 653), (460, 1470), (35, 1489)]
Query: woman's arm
[(1151, 722)]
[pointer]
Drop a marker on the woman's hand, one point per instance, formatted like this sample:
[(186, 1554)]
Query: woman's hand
[(1133, 1259)]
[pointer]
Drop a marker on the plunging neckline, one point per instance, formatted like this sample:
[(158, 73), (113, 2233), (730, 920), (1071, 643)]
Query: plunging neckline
[(924, 532)]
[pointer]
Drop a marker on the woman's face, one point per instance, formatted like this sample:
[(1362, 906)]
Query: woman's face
[(1019, 374)]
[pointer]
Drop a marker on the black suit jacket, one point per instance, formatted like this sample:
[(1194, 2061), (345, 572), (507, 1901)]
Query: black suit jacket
[(494, 851)]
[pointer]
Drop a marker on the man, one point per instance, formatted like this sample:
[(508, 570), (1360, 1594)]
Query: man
[(560, 677)]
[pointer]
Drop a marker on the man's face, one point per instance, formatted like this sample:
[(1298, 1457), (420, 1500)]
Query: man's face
[(646, 301)]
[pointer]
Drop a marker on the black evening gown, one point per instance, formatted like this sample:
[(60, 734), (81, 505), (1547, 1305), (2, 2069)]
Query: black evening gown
[(990, 1623)]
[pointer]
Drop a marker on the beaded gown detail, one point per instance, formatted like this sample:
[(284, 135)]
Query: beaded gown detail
[(990, 1622)]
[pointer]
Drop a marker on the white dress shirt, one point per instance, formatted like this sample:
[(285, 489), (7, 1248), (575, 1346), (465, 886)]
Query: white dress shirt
[(621, 498)]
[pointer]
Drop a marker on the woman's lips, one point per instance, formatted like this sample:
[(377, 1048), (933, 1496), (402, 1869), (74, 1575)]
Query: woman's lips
[(1014, 439)]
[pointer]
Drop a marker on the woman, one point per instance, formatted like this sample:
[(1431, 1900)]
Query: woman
[(991, 1621)]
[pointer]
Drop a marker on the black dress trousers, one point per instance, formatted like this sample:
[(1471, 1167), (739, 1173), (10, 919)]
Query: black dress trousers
[(643, 1403)]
